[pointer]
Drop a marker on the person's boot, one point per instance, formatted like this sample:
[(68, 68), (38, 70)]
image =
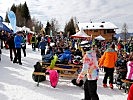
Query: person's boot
[(111, 85), (105, 85), (20, 63)]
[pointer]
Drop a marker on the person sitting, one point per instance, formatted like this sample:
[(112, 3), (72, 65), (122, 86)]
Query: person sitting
[(49, 55), (65, 56), (78, 53), (59, 51)]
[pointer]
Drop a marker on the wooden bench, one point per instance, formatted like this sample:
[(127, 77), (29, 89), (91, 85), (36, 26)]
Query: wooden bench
[(47, 64), (39, 73), (63, 69), (63, 72), (127, 85)]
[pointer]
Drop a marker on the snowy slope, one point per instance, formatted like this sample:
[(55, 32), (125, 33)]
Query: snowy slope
[(16, 83)]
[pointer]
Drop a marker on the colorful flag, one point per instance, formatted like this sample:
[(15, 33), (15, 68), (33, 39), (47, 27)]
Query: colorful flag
[(12, 19)]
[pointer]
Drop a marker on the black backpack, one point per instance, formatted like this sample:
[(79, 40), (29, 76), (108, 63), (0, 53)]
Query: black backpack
[(38, 68), (33, 39), (80, 83)]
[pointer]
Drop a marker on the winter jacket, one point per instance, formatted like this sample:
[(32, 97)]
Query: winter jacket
[(10, 42), (109, 58), (65, 55), (18, 41), (130, 93), (90, 66), (42, 45), (33, 39), (129, 70), (53, 77)]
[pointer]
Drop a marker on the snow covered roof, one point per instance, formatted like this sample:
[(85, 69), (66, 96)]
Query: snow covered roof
[(101, 25)]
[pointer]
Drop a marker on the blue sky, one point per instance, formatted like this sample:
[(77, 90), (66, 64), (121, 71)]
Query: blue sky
[(115, 11)]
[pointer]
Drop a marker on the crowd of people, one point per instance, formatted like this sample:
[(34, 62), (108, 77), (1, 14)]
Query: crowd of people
[(96, 54)]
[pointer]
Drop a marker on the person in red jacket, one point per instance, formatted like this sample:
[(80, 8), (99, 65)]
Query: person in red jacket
[(130, 93)]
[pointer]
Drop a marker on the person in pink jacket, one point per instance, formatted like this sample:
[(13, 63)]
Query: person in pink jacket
[(130, 68)]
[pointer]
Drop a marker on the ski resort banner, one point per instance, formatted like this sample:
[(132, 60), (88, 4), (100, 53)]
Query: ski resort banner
[(12, 19)]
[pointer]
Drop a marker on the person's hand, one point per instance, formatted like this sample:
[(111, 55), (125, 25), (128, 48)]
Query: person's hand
[(69, 62), (77, 81)]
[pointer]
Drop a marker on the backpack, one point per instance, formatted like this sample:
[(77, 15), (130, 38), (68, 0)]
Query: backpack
[(38, 68), (33, 39), (75, 83)]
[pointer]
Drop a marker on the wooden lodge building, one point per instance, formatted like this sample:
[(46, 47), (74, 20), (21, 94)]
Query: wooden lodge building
[(105, 29)]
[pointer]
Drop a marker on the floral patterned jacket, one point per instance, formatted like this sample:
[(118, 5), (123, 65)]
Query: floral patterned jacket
[(90, 66)]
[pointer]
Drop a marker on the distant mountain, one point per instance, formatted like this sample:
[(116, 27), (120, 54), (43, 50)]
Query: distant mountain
[(122, 35)]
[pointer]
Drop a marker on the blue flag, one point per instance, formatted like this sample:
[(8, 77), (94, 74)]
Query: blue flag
[(12, 19), (1, 19)]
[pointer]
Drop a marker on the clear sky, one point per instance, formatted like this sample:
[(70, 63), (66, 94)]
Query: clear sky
[(115, 11)]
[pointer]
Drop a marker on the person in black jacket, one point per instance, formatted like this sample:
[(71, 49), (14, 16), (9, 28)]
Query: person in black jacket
[(10, 42)]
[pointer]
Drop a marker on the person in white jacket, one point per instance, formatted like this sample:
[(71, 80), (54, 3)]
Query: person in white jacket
[(90, 70)]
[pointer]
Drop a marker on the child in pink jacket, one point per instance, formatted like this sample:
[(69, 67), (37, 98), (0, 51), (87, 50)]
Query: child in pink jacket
[(130, 68)]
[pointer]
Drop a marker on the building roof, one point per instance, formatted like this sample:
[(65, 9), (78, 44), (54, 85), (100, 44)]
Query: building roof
[(101, 25)]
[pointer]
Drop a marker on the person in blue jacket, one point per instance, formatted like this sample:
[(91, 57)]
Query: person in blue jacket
[(18, 41), (66, 55), (42, 46)]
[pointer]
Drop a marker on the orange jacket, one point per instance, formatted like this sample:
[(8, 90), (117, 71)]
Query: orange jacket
[(108, 59)]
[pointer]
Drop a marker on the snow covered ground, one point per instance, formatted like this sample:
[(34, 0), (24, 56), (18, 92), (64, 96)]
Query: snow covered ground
[(16, 83)]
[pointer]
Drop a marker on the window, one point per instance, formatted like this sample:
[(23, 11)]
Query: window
[(110, 31), (95, 30)]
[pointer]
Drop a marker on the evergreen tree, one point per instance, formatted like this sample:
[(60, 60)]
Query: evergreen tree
[(6, 18), (19, 17), (23, 17), (25, 12), (47, 29), (124, 31), (54, 26), (70, 27), (13, 8)]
